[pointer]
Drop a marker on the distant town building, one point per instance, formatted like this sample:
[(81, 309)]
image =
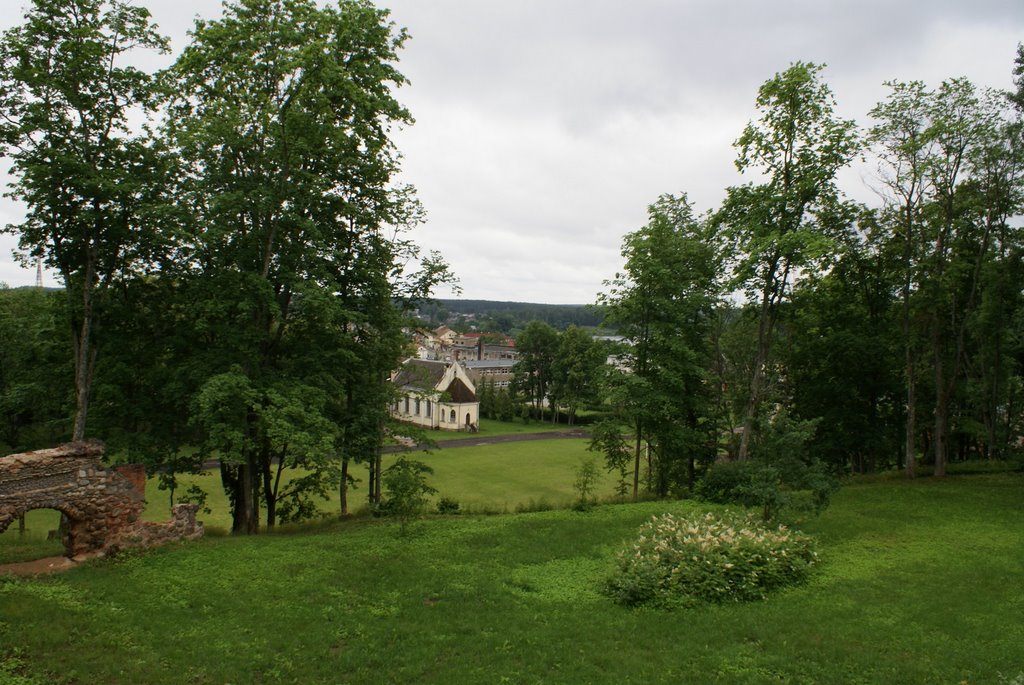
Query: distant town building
[(444, 344), (496, 371), (436, 394)]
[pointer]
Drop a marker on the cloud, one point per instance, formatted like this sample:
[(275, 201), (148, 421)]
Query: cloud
[(545, 127)]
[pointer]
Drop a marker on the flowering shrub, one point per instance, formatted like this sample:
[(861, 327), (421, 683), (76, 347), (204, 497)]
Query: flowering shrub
[(708, 557)]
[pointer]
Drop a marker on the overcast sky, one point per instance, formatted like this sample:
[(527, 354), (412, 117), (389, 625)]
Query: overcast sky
[(544, 128)]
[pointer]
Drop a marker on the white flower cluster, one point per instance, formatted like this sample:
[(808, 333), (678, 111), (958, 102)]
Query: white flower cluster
[(709, 556)]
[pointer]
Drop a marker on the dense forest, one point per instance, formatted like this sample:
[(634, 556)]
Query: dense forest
[(235, 283), (507, 317)]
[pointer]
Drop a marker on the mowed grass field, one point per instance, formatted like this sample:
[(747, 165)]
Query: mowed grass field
[(496, 478), (919, 582)]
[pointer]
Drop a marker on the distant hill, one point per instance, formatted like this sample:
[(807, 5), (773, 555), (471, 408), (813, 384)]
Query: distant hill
[(508, 316)]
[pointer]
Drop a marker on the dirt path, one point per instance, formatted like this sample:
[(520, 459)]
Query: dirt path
[(476, 440), (37, 566)]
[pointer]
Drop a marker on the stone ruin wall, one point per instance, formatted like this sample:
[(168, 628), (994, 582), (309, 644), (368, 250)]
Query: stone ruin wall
[(102, 505)]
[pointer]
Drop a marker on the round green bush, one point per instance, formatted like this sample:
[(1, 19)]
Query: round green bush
[(681, 560)]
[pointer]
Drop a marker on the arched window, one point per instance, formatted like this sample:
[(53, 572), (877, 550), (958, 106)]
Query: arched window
[(428, 409), (453, 419), (417, 406)]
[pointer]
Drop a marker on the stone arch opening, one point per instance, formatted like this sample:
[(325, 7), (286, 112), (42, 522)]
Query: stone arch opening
[(37, 535), (102, 506)]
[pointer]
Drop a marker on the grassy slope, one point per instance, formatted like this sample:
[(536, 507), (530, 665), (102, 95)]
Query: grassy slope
[(920, 583)]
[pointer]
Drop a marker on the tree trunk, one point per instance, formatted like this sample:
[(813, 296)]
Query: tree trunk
[(254, 501), (910, 365), (911, 421), (941, 427), (245, 489), (85, 357), (378, 459), (636, 463), (941, 406), (343, 488), (371, 479), (765, 324), (271, 485)]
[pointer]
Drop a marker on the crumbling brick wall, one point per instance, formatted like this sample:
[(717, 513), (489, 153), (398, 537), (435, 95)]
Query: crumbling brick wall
[(102, 505)]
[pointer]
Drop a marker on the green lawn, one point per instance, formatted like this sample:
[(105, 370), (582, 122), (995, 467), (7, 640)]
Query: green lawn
[(505, 476), (920, 582), (16, 545)]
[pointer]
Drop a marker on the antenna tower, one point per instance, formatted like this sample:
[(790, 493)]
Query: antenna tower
[(39, 272)]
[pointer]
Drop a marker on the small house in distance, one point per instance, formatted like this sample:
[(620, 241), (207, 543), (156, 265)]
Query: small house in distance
[(436, 394)]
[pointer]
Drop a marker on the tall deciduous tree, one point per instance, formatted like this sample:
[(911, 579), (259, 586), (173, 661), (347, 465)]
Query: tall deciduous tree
[(537, 346), (971, 161), (902, 143), (282, 110), (1017, 96), (661, 303), (574, 371), (842, 354), (90, 184), (951, 161), (798, 144)]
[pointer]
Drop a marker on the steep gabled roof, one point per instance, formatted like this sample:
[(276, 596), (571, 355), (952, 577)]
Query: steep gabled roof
[(460, 393), (421, 374)]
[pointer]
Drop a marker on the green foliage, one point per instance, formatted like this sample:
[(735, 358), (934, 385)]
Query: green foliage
[(534, 505), (537, 346), (497, 404), (196, 495), (662, 305), (574, 371), (35, 364), (725, 483), (680, 560), (585, 484), (794, 486), (406, 489), (1017, 97), (93, 189), (842, 358), (781, 227), (447, 506), (606, 438), (507, 316), (294, 294), (12, 669)]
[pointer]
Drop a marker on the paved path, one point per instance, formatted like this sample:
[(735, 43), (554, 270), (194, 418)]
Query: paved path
[(475, 440)]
